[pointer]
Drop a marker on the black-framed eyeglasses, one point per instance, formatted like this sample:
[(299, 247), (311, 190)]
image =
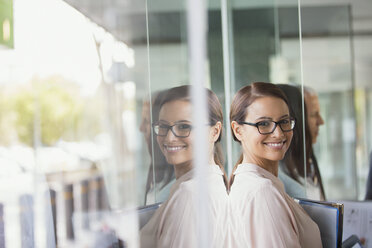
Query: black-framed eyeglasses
[(180, 130), (268, 127)]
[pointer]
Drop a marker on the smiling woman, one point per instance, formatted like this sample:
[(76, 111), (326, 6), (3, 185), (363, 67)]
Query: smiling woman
[(262, 124), (174, 223), (175, 116)]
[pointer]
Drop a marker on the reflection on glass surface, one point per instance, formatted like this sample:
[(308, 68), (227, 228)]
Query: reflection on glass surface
[(174, 224), (160, 175), (328, 68), (330, 57), (301, 179)]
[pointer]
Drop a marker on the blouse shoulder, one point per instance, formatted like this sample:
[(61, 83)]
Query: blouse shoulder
[(269, 210), (266, 190), (245, 184)]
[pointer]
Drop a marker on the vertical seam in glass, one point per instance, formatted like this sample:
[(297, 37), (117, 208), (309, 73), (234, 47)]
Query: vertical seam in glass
[(150, 101), (353, 87), (230, 30), (302, 91), (276, 27), (227, 82), (197, 28)]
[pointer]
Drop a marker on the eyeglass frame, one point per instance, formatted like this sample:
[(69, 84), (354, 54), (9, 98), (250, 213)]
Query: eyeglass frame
[(170, 127), (277, 123)]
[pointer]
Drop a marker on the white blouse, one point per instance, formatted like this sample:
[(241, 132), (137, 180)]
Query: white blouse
[(263, 215), (174, 223)]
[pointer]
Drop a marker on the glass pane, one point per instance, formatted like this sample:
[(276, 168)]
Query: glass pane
[(83, 82), (72, 92), (327, 51), (168, 67), (170, 58), (265, 46), (363, 111)]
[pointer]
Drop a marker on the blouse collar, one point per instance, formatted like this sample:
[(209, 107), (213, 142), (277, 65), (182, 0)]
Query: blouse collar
[(212, 168), (249, 167)]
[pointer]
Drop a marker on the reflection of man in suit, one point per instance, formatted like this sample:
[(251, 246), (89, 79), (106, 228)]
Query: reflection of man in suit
[(314, 120)]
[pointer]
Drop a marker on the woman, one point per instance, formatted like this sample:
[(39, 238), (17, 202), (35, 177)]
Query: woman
[(292, 169), (174, 223), (262, 214)]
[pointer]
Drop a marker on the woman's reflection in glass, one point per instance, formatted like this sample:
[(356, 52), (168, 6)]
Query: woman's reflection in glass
[(174, 223), (160, 175), (292, 167)]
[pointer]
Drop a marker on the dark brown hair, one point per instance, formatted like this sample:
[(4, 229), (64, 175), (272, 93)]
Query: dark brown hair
[(214, 112), (160, 171), (294, 157), (244, 98)]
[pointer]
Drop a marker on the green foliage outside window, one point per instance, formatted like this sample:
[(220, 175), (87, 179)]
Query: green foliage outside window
[(52, 105)]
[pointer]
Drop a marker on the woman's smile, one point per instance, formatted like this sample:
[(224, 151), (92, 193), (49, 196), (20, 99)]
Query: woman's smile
[(173, 147), (275, 144)]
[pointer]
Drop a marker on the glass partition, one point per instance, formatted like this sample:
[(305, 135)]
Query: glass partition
[(362, 96), (265, 46), (168, 67), (169, 63), (328, 69), (82, 85)]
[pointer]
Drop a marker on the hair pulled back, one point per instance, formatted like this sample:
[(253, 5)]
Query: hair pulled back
[(215, 114), (244, 98)]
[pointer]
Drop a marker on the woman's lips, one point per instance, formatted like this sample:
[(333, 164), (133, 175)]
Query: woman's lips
[(173, 148), (275, 145)]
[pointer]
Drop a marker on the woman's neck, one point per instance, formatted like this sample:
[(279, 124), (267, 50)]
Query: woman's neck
[(182, 169), (270, 166)]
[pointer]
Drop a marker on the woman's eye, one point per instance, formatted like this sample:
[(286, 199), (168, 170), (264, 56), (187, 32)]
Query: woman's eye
[(184, 126), (263, 123), (163, 126), (285, 121)]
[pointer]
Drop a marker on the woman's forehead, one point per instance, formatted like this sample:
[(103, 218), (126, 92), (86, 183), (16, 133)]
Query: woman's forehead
[(176, 110), (272, 107)]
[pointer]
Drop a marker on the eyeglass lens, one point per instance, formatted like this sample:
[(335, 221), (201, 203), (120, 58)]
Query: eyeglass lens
[(269, 126), (179, 130)]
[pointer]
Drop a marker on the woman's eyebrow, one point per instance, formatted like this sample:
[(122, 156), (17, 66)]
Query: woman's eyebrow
[(264, 118), (176, 122), (269, 118), (162, 121), (183, 121)]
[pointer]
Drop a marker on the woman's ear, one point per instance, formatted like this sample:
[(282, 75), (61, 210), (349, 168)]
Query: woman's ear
[(237, 130), (216, 131)]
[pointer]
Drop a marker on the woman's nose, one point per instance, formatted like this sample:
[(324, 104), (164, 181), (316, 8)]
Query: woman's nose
[(170, 135), (278, 132), (320, 120)]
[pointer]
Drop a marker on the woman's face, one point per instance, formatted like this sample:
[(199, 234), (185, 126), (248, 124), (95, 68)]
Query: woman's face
[(260, 148), (177, 151)]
